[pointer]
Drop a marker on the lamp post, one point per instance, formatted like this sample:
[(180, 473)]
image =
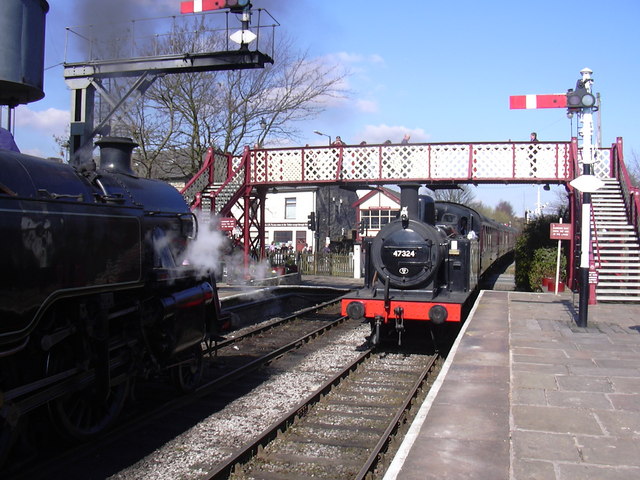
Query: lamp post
[(263, 132), (324, 135)]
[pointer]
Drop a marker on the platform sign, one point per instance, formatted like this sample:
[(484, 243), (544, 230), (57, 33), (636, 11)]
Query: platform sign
[(227, 224), (561, 231)]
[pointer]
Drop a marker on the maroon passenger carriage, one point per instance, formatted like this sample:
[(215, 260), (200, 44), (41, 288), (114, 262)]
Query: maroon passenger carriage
[(423, 267)]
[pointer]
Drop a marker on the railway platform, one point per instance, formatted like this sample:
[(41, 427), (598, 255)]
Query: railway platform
[(527, 394)]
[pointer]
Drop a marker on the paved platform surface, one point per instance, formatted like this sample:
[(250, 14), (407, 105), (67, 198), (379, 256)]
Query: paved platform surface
[(526, 394)]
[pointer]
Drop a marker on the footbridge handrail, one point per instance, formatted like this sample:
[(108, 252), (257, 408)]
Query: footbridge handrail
[(630, 193), (215, 169), (480, 162)]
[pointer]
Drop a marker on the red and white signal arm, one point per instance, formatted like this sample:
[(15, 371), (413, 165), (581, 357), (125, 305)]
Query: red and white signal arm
[(554, 100), (227, 224), (196, 6)]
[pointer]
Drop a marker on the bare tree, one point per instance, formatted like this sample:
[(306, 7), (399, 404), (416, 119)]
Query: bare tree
[(503, 212), (183, 115), (463, 195), (633, 167)]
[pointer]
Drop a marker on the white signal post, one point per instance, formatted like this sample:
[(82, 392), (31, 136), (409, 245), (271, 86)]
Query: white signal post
[(585, 134), (583, 103)]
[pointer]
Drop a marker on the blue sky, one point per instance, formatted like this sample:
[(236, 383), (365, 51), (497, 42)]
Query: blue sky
[(442, 71)]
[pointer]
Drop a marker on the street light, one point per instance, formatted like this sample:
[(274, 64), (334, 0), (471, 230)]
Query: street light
[(324, 135)]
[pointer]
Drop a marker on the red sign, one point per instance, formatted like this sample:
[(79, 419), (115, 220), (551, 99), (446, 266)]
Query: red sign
[(227, 224), (561, 231)]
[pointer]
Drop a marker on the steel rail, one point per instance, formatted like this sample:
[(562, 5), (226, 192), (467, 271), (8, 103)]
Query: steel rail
[(250, 449), (259, 362), (204, 389), (267, 325), (394, 424)]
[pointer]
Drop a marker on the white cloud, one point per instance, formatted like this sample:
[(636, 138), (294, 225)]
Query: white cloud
[(381, 133), (51, 121), (356, 58), (367, 106)]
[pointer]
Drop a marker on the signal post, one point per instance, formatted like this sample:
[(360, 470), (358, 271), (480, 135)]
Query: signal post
[(581, 102)]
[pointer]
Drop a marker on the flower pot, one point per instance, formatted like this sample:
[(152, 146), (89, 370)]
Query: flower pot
[(552, 286)]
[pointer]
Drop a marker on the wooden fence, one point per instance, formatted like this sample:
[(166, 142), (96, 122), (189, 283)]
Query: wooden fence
[(331, 264)]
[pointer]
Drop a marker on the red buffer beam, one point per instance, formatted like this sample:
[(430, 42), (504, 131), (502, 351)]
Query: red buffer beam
[(554, 100)]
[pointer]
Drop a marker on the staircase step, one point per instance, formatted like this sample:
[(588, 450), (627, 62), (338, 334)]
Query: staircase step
[(619, 291), (616, 298), (606, 272), (629, 266), (618, 284), (618, 279)]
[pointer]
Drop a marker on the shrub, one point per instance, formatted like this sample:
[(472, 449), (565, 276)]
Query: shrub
[(534, 237), (544, 265)]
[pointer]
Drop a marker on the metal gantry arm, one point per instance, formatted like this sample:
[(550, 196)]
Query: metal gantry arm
[(136, 91)]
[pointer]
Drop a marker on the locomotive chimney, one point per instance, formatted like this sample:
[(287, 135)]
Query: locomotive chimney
[(115, 154), (409, 199)]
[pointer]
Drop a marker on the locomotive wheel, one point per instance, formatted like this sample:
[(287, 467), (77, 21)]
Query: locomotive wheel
[(82, 414), (187, 376)]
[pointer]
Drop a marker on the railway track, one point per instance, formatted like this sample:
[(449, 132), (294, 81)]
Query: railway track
[(341, 431), (234, 365)]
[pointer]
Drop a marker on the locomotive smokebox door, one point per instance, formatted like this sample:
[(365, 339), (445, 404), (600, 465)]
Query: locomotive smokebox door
[(409, 255)]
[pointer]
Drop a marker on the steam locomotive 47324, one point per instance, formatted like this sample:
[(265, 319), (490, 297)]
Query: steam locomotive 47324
[(93, 289), (422, 267)]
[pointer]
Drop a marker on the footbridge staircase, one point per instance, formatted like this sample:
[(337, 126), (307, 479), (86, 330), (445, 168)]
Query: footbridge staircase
[(615, 233), (235, 187)]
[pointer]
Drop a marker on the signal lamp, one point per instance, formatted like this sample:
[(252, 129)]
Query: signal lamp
[(580, 97)]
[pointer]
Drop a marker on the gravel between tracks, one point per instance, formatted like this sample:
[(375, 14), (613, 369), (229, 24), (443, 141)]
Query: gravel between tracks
[(193, 453)]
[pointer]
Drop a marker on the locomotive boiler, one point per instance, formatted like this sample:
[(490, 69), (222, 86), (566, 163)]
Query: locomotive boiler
[(422, 268), (94, 292)]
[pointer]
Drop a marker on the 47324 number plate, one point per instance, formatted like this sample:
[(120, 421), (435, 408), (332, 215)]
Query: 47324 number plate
[(404, 253)]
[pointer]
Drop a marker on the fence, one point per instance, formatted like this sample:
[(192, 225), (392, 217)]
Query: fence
[(331, 264)]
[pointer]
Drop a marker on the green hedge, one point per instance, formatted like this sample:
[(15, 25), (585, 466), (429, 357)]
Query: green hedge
[(536, 255)]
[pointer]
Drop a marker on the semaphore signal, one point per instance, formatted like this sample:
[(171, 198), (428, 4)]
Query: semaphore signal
[(554, 100), (197, 6)]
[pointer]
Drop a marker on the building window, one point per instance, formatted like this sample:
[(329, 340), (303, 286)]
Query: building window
[(377, 218), (282, 236), (290, 208)]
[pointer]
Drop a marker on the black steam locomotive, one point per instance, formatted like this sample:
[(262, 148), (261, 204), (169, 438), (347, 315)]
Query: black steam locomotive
[(422, 267), (94, 291)]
